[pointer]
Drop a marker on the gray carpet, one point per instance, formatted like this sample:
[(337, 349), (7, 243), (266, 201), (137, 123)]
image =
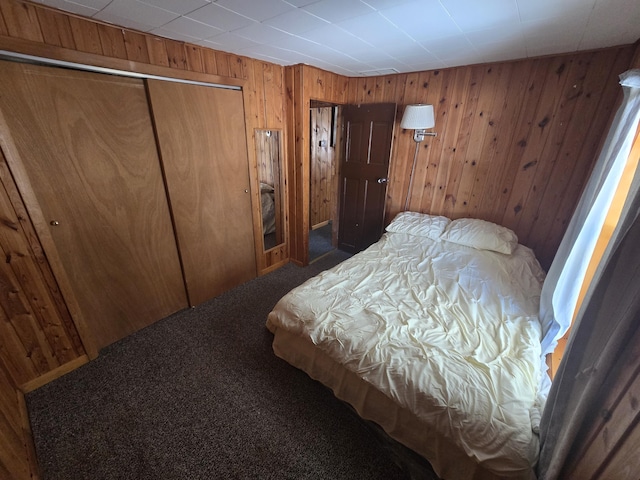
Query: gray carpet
[(320, 241), (200, 395)]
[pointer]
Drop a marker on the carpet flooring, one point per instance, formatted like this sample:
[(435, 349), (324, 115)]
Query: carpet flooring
[(320, 242), (200, 395)]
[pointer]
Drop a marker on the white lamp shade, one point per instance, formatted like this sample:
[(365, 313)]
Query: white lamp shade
[(418, 117)]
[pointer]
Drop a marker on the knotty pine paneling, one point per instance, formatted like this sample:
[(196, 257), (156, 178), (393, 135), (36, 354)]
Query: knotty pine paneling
[(302, 85), (38, 334), (323, 158), (516, 140), (511, 141), (38, 338), (15, 460), (263, 81)]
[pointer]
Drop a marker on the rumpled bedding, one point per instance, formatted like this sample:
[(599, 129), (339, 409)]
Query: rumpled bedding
[(447, 331)]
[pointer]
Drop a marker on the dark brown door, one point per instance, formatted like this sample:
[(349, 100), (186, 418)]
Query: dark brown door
[(363, 176)]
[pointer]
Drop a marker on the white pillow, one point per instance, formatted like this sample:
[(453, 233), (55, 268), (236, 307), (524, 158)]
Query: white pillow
[(482, 235), (419, 224)]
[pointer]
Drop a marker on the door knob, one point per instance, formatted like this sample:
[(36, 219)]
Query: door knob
[(383, 180), (55, 223)]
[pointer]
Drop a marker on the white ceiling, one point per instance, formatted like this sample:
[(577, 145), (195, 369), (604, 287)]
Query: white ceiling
[(374, 37)]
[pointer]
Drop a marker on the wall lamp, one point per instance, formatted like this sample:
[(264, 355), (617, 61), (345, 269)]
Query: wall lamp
[(419, 118)]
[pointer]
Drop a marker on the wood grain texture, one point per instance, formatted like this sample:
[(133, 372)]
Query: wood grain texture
[(201, 135), (136, 46), (112, 41), (102, 43), (141, 49), (303, 84), (323, 168), (21, 20), (17, 461), (43, 33), (499, 154), (93, 167), (85, 36), (56, 28), (516, 140), (54, 34), (30, 306)]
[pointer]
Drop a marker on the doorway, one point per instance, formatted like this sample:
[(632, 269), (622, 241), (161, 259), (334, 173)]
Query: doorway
[(350, 148), (324, 160)]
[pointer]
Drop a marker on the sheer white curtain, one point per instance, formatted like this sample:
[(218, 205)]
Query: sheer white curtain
[(612, 302), (564, 279)]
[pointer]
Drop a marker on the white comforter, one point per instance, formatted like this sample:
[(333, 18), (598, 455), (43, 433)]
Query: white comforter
[(447, 331)]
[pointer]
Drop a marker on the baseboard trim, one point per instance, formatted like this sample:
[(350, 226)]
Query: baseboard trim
[(37, 382)]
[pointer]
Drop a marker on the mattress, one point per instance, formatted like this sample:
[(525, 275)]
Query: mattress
[(439, 343)]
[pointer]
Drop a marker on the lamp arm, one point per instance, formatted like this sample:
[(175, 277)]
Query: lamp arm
[(418, 135)]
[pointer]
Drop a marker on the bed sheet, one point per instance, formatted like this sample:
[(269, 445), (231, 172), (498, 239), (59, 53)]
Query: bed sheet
[(447, 332)]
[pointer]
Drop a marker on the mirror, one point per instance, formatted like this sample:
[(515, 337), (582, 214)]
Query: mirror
[(268, 149)]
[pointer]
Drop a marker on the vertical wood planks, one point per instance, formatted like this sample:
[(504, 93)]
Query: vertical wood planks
[(56, 28), (85, 35), (322, 195), (112, 41), (14, 457), (157, 50), (136, 46), (516, 140), (21, 20), (51, 27), (38, 334)]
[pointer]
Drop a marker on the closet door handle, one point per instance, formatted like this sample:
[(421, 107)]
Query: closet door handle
[(54, 223), (383, 180)]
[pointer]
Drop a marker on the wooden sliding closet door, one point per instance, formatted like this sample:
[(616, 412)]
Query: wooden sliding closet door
[(82, 148), (203, 146)]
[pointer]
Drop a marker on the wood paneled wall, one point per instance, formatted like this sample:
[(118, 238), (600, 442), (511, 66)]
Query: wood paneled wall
[(304, 84), (515, 144), (263, 82), (323, 167), (38, 340), (38, 334), (39, 30), (516, 140), (16, 462)]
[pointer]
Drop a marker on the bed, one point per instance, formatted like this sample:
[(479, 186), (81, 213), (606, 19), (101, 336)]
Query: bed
[(433, 334)]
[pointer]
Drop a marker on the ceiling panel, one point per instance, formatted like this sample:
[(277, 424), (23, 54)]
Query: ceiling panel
[(220, 17), (365, 37), (181, 8), (296, 21)]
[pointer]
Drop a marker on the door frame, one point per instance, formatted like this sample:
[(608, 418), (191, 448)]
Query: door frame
[(297, 110), (338, 125)]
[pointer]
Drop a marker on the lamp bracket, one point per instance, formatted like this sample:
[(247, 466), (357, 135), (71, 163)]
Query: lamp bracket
[(418, 135)]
